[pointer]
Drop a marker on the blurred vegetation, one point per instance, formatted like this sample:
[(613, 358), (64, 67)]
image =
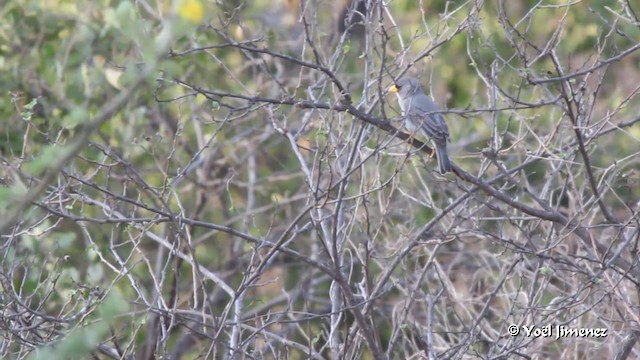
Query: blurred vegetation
[(195, 141)]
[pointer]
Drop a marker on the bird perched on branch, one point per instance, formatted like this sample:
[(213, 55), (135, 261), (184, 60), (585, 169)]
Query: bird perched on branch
[(421, 113)]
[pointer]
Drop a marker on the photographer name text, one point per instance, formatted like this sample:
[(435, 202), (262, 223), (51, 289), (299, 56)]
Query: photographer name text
[(556, 331)]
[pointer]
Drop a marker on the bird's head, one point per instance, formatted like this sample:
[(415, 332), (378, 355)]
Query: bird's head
[(406, 86)]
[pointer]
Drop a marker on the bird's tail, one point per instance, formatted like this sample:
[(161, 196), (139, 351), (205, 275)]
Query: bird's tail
[(443, 159)]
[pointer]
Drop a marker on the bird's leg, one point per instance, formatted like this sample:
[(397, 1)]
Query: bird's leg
[(412, 135), (432, 154)]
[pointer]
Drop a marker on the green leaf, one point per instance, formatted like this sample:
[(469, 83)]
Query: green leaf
[(31, 104), (546, 271), (26, 115), (346, 47)]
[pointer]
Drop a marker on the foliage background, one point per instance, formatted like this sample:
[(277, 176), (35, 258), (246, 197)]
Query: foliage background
[(224, 179)]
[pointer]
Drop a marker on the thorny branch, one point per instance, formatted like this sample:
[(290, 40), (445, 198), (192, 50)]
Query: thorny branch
[(304, 221)]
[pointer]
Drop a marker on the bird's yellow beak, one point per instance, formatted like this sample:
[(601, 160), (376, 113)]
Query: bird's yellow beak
[(393, 89)]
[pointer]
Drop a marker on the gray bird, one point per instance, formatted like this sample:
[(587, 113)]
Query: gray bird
[(419, 112)]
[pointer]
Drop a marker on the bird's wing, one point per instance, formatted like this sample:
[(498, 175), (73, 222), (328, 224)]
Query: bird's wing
[(426, 112)]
